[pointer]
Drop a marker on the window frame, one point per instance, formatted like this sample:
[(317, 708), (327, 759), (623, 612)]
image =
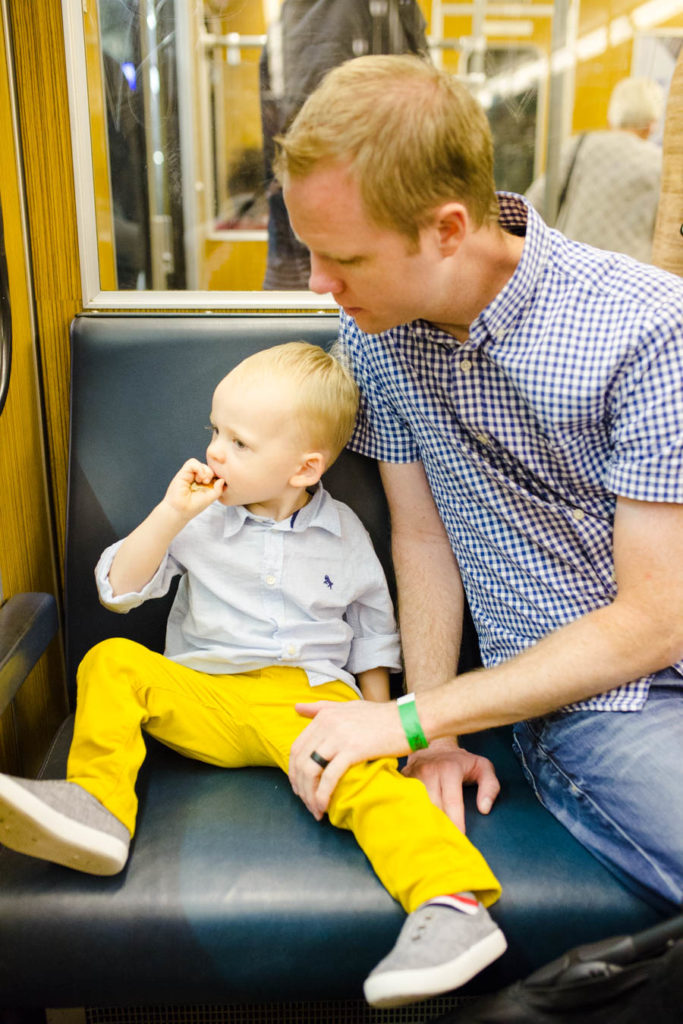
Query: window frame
[(94, 297)]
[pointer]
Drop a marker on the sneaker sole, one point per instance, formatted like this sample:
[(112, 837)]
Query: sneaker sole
[(29, 825), (395, 988)]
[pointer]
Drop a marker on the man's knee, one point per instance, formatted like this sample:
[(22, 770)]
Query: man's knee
[(610, 778)]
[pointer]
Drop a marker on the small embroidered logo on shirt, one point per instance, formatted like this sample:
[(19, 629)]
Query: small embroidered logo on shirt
[(328, 582)]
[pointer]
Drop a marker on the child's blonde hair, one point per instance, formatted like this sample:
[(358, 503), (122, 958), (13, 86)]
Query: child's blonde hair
[(327, 394)]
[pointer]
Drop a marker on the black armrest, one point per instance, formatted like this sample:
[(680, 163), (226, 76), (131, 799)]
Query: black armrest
[(27, 624)]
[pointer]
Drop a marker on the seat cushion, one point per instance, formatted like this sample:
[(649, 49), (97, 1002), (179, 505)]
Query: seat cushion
[(232, 886)]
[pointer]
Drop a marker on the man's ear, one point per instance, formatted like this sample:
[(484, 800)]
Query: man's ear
[(310, 470), (451, 222)]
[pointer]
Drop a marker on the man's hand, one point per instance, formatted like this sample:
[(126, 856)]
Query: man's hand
[(445, 768), (343, 734)]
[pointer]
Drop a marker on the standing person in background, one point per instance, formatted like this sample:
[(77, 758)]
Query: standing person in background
[(309, 38), (609, 180)]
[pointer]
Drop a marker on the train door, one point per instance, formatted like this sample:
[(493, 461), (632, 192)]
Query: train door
[(27, 548)]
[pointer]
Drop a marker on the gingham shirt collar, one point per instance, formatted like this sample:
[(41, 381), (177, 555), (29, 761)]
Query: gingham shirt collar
[(502, 316), (500, 319)]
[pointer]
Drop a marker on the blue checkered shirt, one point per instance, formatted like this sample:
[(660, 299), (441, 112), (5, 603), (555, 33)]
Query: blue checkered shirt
[(567, 393)]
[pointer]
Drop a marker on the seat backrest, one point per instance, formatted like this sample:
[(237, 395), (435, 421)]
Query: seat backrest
[(141, 389)]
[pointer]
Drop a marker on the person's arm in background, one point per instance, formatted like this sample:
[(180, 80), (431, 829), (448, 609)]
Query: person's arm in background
[(430, 608)]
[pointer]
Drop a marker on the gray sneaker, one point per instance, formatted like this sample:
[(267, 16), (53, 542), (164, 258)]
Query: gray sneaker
[(63, 823), (438, 949)]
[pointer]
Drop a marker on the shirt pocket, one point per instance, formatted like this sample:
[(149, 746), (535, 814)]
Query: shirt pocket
[(319, 584)]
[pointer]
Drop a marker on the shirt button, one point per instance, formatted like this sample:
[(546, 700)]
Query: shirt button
[(270, 580), (483, 438), (291, 649), (578, 513), (466, 366)]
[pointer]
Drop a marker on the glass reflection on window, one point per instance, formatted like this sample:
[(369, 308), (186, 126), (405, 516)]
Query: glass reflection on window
[(192, 92)]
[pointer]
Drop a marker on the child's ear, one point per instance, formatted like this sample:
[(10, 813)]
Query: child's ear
[(310, 471)]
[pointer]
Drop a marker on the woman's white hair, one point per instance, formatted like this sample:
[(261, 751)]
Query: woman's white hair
[(635, 103)]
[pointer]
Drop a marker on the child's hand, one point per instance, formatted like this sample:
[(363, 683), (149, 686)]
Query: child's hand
[(193, 488)]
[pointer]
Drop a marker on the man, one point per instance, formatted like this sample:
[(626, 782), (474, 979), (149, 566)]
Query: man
[(522, 394)]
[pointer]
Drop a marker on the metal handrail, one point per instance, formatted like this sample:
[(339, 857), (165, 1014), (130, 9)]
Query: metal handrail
[(5, 322)]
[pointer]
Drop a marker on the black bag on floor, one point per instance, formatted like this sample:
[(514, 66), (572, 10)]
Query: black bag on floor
[(626, 980)]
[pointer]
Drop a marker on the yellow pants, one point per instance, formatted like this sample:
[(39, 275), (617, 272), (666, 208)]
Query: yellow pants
[(249, 719)]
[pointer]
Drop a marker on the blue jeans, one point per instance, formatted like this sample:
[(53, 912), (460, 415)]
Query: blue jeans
[(615, 780)]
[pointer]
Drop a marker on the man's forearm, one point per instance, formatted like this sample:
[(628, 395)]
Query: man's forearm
[(607, 648)]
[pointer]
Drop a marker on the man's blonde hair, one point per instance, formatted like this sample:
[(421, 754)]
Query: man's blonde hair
[(414, 138), (327, 394)]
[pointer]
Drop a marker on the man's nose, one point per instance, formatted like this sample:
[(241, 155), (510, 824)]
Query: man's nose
[(322, 280)]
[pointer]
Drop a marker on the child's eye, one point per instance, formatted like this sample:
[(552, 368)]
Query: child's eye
[(238, 444)]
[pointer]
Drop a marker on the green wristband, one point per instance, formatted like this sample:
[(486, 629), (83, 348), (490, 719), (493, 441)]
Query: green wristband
[(411, 723)]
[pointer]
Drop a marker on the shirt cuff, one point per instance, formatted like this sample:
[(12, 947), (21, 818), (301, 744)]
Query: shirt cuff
[(375, 652), (123, 602)]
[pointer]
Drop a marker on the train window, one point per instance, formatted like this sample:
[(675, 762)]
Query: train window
[(175, 103)]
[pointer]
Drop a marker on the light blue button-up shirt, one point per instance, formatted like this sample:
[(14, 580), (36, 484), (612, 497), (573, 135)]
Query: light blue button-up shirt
[(308, 591)]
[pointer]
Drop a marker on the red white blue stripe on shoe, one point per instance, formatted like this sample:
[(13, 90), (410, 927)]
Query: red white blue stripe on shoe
[(465, 902)]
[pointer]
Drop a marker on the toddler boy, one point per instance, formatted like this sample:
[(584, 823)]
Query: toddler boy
[(281, 600)]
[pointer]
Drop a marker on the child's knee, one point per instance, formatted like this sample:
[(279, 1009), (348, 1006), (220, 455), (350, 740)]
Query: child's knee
[(107, 657), (367, 781)]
